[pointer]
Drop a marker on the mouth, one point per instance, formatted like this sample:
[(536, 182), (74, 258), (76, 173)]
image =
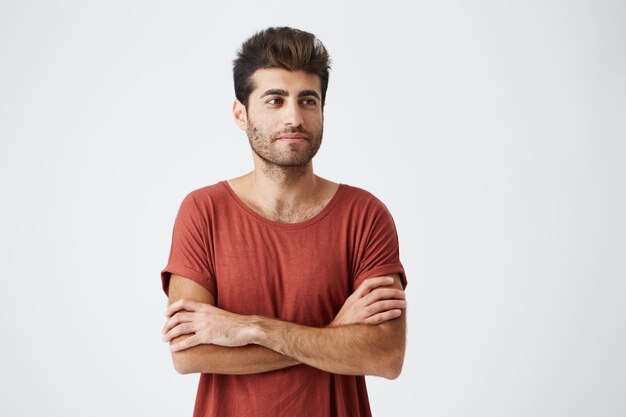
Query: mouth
[(292, 138)]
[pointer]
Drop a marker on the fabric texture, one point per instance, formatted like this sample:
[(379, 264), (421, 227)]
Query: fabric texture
[(300, 272)]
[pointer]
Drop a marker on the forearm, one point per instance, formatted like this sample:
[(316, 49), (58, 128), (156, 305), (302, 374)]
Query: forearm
[(207, 339), (216, 359), (359, 349)]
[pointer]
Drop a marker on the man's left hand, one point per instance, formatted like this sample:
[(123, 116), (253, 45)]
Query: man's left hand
[(207, 324)]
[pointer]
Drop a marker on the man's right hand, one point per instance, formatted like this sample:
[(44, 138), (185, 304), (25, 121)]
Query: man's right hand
[(373, 302)]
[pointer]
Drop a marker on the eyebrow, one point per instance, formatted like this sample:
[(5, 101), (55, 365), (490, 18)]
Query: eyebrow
[(284, 93), (312, 93), (275, 92)]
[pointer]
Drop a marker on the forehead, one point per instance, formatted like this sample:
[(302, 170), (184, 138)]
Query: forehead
[(291, 81)]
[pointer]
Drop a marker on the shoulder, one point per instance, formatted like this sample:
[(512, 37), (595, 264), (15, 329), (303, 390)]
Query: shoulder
[(207, 193), (204, 199), (362, 198), (363, 207)]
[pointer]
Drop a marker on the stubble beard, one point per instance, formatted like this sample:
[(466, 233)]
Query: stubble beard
[(290, 164)]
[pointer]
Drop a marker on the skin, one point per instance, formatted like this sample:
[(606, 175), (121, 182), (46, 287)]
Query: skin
[(282, 186), (284, 124), (190, 312)]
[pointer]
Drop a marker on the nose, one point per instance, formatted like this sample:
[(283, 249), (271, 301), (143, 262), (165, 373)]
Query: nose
[(293, 114)]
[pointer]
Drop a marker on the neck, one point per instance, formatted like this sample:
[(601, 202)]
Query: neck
[(277, 187)]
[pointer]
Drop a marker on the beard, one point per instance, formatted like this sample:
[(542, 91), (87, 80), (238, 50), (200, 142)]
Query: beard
[(287, 156)]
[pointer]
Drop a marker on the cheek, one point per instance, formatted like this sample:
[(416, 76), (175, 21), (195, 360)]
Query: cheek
[(262, 124), (260, 131), (316, 123)]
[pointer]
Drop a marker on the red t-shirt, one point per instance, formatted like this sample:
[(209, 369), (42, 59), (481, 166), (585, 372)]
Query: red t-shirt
[(298, 272)]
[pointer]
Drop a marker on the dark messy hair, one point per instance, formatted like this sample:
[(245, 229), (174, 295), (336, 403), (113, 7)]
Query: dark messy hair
[(279, 47)]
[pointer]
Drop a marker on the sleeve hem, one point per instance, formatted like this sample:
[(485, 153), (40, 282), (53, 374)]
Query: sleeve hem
[(183, 271), (380, 271)]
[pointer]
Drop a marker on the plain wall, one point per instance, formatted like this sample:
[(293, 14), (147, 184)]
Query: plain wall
[(494, 132)]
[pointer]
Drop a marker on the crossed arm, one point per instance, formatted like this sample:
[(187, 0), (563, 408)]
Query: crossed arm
[(366, 338)]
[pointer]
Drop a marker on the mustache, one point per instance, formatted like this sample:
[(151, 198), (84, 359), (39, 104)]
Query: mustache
[(292, 130)]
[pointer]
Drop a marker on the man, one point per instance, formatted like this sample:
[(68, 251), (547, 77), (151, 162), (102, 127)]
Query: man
[(285, 288)]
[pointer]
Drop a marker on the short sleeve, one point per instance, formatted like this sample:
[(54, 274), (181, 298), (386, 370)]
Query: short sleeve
[(380, 253), (190, 251)]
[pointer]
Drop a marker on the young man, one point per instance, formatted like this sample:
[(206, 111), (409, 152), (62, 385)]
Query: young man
[(285, 288)]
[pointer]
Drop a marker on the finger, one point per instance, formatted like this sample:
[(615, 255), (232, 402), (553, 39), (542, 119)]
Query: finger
[(385, 305), (180, 317), (181, 329), (182, 304), (384, 294), (185, 344), (371, 283), (383, 317)]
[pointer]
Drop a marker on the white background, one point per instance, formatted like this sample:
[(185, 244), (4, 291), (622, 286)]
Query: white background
[(494, 131)]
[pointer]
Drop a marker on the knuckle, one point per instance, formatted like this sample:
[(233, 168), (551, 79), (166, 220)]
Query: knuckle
[(371, 296), (390, 293), (374, 308)]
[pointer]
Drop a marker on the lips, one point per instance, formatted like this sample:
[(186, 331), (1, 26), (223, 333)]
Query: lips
[(292, 137)]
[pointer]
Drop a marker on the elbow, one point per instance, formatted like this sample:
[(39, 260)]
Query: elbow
[(393, 368), (186, 360), (394, 348), (393, 372), (393, 360), (183, 363), (182, 368)]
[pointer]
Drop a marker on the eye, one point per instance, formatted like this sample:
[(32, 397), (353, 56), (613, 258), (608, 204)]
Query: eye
[(309, 102), (275, 101)]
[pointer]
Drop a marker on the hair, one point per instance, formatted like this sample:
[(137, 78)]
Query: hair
[(279, 47)]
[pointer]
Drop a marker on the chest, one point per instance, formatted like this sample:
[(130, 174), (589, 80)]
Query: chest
[(300, 275), (284, 213)]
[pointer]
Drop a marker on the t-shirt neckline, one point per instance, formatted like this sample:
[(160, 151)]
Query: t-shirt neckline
[(319, 216)]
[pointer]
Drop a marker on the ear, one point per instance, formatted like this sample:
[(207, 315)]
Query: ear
[(240, 115)]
